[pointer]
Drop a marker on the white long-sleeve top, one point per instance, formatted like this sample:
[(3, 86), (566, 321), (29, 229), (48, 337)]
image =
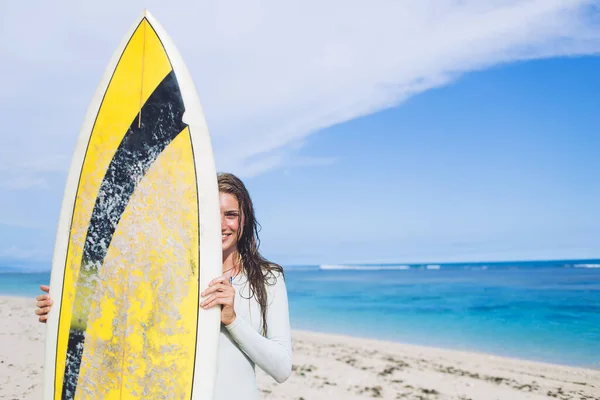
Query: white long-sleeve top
[(241, 345)]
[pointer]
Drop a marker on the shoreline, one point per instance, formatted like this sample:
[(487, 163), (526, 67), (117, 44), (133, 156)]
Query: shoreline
[(446, 350), (329, 366)]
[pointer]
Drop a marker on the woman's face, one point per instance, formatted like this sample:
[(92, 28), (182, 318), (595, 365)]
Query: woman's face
[(230, 222)]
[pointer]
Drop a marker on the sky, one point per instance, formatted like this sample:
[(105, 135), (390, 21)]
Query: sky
[(367, 132)]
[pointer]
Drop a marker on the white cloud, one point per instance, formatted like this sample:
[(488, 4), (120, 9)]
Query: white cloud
[(17, 253), (269, 73), (23, 181), (19, 171)]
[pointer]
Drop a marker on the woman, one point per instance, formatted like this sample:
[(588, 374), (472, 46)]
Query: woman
[(255, 328)]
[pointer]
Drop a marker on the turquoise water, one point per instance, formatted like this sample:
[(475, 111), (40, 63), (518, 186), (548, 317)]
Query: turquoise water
[(546, 312), (540, 311), (23, 284)]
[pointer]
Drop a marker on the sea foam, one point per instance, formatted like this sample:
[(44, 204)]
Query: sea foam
[(364, 267)]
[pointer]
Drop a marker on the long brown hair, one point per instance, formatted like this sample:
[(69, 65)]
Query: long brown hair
[(257, 268)]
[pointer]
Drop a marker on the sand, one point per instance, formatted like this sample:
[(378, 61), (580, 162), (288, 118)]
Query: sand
[(335, 367)]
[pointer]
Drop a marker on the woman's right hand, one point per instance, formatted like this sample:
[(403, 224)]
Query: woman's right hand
[(44, 303)]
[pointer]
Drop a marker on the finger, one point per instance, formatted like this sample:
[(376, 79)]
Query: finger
[(44, 303), (45, 288), (43, 318), (218, 295), (222, 279), (211, 298), (42, 297), (42, 311), (226, 301), (216, 288)]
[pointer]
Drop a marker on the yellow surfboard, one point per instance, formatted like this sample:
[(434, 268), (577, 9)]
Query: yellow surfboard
[(138, 237)]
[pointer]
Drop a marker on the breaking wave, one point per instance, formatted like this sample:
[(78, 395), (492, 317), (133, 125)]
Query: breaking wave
[(364, 267), (586, 266)]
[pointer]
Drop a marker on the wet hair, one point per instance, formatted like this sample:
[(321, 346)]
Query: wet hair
[(259, 271)]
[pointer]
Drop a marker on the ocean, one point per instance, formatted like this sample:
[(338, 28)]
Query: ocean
[(544, 311)]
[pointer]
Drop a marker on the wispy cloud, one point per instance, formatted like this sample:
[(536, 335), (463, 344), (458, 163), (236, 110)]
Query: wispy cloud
[(23, 181), (18, 253), (19, 170), (269, 73)]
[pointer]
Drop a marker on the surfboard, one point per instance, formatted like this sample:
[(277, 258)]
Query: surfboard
[(138, 237)]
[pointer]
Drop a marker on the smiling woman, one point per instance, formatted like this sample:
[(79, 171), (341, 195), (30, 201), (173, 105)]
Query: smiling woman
[(254, 315), (239, 233)]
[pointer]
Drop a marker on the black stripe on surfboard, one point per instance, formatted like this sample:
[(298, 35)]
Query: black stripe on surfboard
[(161, 122)]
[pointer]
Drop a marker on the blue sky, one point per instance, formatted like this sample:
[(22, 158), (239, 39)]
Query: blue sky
[(387, 132), (502, 164)]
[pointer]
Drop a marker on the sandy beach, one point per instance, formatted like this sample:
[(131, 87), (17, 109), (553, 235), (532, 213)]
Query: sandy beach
[(335, 367)]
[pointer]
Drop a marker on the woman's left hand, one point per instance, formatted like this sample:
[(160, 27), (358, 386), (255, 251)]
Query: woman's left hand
[(221, 293)]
